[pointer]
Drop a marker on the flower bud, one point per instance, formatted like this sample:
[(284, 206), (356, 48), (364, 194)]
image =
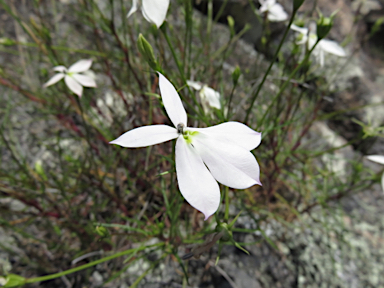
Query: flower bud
[(147, 51), (231, 25), (12, 280), (297, 4), (324, 25), (102, 231), (235, 75)]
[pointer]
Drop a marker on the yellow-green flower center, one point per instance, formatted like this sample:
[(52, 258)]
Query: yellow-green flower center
[(188, 135)]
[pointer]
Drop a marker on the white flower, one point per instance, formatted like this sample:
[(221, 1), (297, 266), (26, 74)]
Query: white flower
[(154, 11), (72, 77), (275, 11), (208, 96), (309, 37), (378, 159), (220, 152)]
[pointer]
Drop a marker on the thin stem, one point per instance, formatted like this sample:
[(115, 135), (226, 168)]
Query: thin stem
[(273, 60), (286, 83), (88, 265), (226, 197)]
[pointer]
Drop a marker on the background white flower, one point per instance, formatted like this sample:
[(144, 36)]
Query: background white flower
[(309, 37), (154, 11), (208, 96), (275, 11), (203, 155), (378, 159), (72, 77)]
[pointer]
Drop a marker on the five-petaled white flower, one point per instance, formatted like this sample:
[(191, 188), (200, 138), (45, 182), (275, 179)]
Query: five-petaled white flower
[(72, 77), (154, 11), (275, 12), (378, 159), (309, 38), (220, 152), (208, 96)]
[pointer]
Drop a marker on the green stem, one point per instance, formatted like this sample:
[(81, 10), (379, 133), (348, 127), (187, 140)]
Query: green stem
[(85, 266), (226, 197), (285, 84), (269, 68)]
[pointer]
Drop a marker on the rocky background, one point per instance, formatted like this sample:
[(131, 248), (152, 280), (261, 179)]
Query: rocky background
[(347, 252)]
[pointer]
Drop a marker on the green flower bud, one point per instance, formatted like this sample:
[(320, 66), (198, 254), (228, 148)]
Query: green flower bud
[(12, 280), (102, 231), (235, 75), (324, 25), (147, 51), (231, 25)]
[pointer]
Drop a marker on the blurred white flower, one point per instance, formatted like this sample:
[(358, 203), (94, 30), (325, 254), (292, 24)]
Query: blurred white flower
[(220, 152), (209, 97), (72, 77), (154, 11), (378, 159), (309, 37), (275, 12)]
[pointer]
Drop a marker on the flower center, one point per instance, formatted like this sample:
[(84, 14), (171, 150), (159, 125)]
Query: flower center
[(187, 135), (180, 128)]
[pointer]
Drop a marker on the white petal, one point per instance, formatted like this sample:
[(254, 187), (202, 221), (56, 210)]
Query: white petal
[(73, 85), (232, 132), (56, 78), (80, 66), (85, 81), (172, 102), (146, 136), (196, 183), (60, 68), (301, 30), (133, 8), (229, 164), (211, 96), (376, 158), (276, 13), (312, 39), (320, 56), (332, 47), (154, 11), (195, 85)]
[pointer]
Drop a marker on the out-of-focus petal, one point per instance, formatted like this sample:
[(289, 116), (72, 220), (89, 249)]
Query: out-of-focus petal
[(133, 8), (56, 78), (376, 158), (232, 132), (211, 96), (312, 39), (146, 136), (155, 11), (301, 30), (73, 85), (229, 164), (276, 13), (60, 68), (86, 81), (80, 66), (172, 102), (195, 85), (332, 47), (196, 183)]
